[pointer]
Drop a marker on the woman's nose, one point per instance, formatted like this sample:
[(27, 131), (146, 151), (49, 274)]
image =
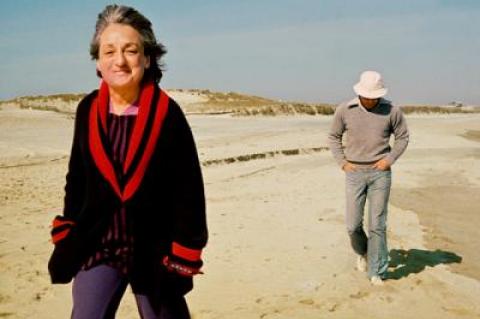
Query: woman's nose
[(120, 59)]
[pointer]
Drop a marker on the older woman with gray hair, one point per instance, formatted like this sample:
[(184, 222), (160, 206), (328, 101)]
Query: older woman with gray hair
[(134, 208)]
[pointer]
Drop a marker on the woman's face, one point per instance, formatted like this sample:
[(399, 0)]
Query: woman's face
[(121, 59)]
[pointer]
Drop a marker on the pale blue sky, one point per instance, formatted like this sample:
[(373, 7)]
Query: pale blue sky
[(307, 50)]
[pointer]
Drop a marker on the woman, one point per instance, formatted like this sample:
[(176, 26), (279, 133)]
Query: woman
[(134, 208)]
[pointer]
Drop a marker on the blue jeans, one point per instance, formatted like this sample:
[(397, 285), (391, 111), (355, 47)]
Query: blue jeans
[(374, 185), (97, 293)]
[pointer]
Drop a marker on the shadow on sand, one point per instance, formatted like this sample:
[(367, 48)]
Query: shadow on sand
[(413, 261)]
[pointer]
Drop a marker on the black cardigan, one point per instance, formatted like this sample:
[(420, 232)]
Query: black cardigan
[(168, 207)]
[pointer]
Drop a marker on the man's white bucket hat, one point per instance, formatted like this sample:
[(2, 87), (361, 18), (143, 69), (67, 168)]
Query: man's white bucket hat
[(370, 85)]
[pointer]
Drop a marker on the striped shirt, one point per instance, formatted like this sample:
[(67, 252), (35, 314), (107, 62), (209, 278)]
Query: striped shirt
[(117, 243)]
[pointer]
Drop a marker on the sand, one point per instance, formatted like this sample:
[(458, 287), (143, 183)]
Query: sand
[(278, 246)]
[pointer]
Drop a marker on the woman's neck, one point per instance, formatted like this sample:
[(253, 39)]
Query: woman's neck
[(120, 100)]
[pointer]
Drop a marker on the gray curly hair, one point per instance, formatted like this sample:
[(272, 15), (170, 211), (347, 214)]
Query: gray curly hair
[(129, 16)]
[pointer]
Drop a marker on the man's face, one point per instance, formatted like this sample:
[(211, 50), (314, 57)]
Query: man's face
[(368, 103)]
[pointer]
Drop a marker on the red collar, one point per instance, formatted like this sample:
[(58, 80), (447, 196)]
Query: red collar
[(98, 112)]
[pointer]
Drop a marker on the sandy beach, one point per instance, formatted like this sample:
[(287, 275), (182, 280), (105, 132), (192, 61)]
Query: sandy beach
[(278, 246)]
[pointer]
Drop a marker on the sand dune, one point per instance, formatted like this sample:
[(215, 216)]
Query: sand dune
[(278, 246), (195, 101)]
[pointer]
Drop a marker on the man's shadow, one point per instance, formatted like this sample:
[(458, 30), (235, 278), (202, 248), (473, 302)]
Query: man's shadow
[(413, 261)]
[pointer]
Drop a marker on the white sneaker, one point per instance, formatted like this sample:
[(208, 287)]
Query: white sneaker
[(362, 263), (376, 281)]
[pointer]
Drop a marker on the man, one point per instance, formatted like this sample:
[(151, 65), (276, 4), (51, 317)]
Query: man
[(368, 121)]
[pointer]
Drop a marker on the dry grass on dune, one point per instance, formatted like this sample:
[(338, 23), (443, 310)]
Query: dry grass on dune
[(198, 101), (62, 103), (427, 109), (194, 101)]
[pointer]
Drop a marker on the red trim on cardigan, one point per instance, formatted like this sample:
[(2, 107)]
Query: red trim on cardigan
[(99, 110), (56, 222), (98, 152), (185, 252), (59, 236), (138, 130), (137, 177), (180, 269)]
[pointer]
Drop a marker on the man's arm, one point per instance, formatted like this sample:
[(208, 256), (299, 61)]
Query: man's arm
[(335, 137), (401, 134)]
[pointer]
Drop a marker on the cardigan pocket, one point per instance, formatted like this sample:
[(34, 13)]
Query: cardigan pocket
[(170, 284), (65, 261), (179, 284)]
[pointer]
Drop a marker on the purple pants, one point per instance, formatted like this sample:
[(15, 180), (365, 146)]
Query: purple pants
[(97, 293)]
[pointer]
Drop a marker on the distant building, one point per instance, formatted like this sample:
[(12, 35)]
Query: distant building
[(455, 104)]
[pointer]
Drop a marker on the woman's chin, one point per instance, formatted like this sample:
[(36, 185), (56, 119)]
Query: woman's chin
[(122, 84)]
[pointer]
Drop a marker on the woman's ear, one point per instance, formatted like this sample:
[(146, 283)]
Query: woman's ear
[(147, 62)]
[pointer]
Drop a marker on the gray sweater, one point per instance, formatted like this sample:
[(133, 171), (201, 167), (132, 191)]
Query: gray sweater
[(367, 133)]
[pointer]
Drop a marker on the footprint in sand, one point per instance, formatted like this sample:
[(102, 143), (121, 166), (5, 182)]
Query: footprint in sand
[(274, 311), (388, 299), (359, 295), (4, 298), (332, 307), (457, 311), (307, 302)]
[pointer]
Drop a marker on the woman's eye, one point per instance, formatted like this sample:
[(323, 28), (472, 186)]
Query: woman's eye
[(132, 51)]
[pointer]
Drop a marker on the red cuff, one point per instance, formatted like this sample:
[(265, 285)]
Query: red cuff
[(59, 236), (185, 252), (180, 269), (60, 228), (57, 222)]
